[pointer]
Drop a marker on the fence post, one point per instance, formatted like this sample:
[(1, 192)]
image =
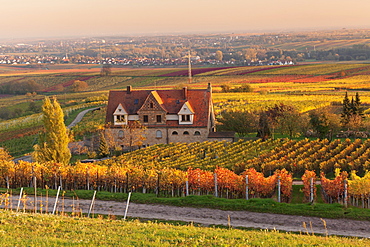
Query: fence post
[(56, 200), (279, 190), (187, 187), (35, 189), (158, 184), (246, 187), (216, 186), (19, 200), (311, 190), (128, 201), (345, 193), (92, 203)]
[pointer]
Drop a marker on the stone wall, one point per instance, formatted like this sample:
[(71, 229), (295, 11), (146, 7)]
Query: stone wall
[(168, 135)]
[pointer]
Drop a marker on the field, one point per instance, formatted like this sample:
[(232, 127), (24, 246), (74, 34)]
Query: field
[(305, 86), (49, 230)]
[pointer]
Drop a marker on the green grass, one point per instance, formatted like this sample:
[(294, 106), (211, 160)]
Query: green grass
[(22, 229), (323, 210)]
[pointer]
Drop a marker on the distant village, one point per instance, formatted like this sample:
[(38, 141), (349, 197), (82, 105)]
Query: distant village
[(222, 49)]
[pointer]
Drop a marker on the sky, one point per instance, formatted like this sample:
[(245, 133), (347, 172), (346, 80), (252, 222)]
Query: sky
[(67, 18)]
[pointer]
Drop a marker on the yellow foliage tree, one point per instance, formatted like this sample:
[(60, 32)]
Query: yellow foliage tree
[(53, 144)]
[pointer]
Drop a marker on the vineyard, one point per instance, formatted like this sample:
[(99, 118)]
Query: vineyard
[(230, 170)]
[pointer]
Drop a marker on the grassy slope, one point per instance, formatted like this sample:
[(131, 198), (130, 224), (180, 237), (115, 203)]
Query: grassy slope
[(255, 205), (48, 230)]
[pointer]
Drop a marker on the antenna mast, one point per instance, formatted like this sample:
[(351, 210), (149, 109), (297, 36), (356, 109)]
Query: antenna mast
[(189, 67)]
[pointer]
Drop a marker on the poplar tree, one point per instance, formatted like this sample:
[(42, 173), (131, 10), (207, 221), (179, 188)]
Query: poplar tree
[(53, 144)]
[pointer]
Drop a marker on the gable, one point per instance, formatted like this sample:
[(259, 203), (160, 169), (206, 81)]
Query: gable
[(186, 109), (120, 110), (153, 102)]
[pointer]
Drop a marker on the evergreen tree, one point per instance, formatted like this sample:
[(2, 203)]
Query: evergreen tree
[(346, 111), (352, 113), (103, 146), (357, 106), (53, 144)]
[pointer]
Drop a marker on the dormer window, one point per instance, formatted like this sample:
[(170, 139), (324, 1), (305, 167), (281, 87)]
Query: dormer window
[(120, 116), (185, 118), (186, 114)]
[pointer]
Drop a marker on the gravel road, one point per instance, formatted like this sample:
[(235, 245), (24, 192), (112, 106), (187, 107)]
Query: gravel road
[(208, 217)]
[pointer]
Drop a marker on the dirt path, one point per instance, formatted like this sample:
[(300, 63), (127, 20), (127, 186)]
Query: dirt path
[(207, 216), (80, 116)]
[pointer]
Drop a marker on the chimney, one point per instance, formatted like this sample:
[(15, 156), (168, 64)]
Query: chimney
[(185, 92), (129, 88)]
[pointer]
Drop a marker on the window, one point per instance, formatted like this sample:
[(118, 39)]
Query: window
[(159, 118), (136, 101), (197, 133), (151, 105), (175, 133), (185, 118), (145, 118), (186, 133), (120, 134), (120, 118), (158, 134)]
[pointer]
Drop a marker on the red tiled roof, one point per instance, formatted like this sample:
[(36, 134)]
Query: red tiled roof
[(172, 101)]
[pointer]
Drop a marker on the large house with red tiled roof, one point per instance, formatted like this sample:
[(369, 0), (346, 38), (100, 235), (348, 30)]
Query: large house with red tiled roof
[(184, 115)]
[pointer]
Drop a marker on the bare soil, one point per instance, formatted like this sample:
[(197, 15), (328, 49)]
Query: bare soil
[(207, 217)]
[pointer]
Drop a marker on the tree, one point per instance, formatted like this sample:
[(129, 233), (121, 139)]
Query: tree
[(225, 88), (78, 86), (324, 123), (33, 107), (346, 111), (133, 134), (238, 121), (219, 55), (5, 165), (352, 113), (53, 144), (356, 106), (250, 54), (106, 70), (290, 123), (270, 119), (103, 146)]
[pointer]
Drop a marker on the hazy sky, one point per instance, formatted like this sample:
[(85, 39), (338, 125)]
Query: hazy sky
[(58, 18)]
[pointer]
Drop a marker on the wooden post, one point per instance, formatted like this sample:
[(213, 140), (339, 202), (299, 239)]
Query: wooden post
[(7, 182), (279, 190), (126, 182), (128, 202), (35, 188), (91, 205), (158, 184), (246, 187), (345, 193), (56, 200), (311, 190), (187, 187), (87, 179), (216, 187), (19, 200), (60, 181)]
